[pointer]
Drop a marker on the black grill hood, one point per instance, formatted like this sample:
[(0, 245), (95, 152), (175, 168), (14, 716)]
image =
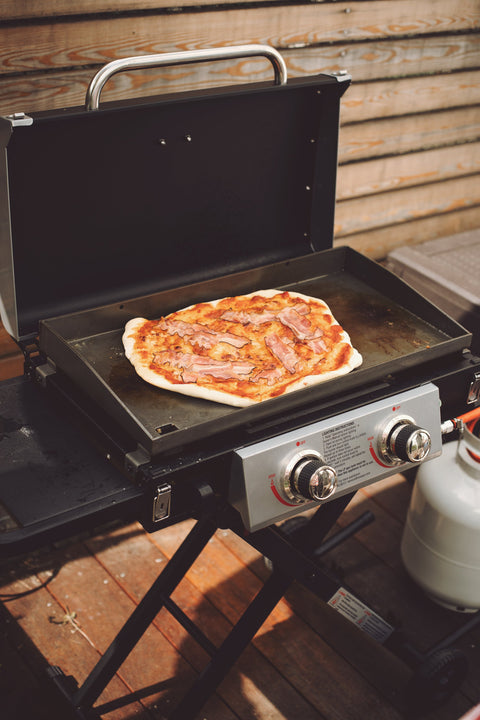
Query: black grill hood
[(100, 206)]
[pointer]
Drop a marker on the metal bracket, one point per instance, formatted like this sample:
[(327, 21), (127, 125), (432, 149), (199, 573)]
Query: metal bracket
[(162, 502), (19, 119), (42, 372), (341, 75), (474, 390)]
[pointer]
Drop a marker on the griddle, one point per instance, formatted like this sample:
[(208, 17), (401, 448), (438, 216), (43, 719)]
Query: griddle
[(391, 325)]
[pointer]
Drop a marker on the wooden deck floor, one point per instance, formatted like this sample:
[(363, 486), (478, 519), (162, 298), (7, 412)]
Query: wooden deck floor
[(64, 605)]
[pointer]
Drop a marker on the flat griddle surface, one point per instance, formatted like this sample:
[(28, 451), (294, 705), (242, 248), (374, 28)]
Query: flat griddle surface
[(391, 334)]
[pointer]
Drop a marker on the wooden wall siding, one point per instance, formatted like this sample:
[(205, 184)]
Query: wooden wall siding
[(409, 156)]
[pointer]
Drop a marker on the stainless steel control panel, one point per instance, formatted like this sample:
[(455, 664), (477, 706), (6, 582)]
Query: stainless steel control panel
[(276, 478)]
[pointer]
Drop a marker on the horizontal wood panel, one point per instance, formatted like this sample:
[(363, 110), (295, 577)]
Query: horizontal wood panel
[(392, 57), (26, 9), (400, 171), (382, 99), (69, 44), (409, 133), (390, 208), (363, 101), (378, 242)]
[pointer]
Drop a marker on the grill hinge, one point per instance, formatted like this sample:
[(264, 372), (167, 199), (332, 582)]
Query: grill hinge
[(474, 390), (341, 75), (134, 461), (162, 502), (19, 119), (33, 357)]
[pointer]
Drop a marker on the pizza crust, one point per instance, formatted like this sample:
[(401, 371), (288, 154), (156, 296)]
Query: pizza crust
[(212, 394)]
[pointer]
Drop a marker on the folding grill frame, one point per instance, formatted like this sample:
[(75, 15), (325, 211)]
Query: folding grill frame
[(294, 566)]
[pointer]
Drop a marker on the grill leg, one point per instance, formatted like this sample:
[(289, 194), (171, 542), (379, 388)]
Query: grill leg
[(232, 647), (259, 609), (286, 568), (144, 614)]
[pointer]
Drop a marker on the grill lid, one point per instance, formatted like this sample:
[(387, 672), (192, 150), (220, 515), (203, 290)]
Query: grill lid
[(136, 197)]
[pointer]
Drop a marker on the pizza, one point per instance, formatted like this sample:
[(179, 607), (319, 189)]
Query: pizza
[(241, 350)]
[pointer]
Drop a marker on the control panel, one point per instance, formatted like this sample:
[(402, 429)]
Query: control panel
[(284, 475)]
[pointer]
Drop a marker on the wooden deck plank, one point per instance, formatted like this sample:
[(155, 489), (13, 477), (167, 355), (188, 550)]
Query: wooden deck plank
[(11, 359), (383, 588), (284, 638), (23, 693), (59, 642), (377, 665), (425, 622), (380, 499), (135, 563), (102, 608)]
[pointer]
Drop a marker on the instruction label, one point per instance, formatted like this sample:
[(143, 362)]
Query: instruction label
[(361, 615), (345, 448)]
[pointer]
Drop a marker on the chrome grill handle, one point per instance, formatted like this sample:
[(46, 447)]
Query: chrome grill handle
[(92, 99)]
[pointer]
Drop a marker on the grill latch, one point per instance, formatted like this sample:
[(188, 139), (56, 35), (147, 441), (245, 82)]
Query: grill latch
[(161, 502), (474, 391)]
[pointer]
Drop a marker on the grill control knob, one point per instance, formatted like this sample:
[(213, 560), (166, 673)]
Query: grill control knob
[(410, 443), (403, 441), (313, 480), (308, 478)]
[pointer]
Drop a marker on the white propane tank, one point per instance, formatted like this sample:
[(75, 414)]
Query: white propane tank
[(441, 539)]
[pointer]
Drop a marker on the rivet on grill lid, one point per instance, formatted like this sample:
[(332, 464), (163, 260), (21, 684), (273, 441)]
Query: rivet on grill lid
[(162, 141)]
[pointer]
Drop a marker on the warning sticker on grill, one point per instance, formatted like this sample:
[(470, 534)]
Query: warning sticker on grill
[(361, 615)]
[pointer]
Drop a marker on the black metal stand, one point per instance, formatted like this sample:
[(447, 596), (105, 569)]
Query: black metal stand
[(290, 562), (292, 553)]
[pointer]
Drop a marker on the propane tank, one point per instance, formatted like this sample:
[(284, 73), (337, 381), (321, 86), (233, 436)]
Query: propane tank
[(441, 539)]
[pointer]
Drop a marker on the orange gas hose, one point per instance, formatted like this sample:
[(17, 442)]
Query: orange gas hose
[(471, 415), (470, 418)]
